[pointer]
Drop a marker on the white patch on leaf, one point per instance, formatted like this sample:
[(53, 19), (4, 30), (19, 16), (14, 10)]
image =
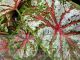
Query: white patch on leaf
[(34, 24), (45, 33), (11, 4), (8, 2), (49, 2), (73, 15)]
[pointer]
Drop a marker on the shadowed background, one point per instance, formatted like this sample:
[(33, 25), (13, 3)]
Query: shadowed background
[(76, 1)]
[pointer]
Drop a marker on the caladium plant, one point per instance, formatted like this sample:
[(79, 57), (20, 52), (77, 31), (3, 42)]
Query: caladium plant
[(52, 25), (7, 6), (63, 26), (7, 10)]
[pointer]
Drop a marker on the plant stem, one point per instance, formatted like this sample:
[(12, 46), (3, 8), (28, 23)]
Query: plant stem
[(19, 13)]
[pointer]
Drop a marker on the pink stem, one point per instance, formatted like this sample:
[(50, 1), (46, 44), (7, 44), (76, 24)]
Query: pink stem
[(54, 34), (17, 2), (72, 23), (61, 42), (25, 41), (39, 17), (62, 16), (70, 41), (71, 33), (52, 12), (46, 21)]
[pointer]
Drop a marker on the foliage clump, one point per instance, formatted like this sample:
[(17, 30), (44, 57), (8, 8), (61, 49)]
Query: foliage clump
[(41, 29)]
